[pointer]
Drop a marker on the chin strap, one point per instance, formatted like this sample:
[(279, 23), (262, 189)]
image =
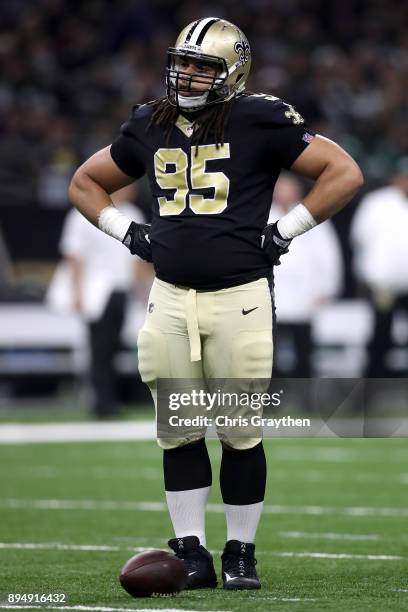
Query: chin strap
[(192, 103)]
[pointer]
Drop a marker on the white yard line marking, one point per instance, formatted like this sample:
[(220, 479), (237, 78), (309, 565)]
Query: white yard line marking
[(148, 506), (391, 512), (155, 473), (328, 536), (82, 504), (58, 546), (335, 455), (342, 476), (348, 511), (136, 549), (142, 473), (101, 609), (258, 597), (14, 433), (286, 599), (22, 433), (45, 472), (319, 555)]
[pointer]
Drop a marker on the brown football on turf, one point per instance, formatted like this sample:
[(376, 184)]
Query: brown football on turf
[(153, 573)]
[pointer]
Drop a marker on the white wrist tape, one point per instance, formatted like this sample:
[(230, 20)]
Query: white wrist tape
[(297, 221), (113, 222)]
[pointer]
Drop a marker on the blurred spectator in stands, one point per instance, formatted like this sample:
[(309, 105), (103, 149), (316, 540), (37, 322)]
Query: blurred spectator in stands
[(65, 72), (309, 275), (379, 235), (96, 277)]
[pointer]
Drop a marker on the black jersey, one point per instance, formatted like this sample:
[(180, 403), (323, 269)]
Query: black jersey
[(211, 204)]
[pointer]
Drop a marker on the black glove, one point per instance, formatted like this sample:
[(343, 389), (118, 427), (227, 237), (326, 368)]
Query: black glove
[(273, 244), (137, 240)]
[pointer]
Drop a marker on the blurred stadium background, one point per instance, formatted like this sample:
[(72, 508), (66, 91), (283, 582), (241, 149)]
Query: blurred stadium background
[(71, 70), (334, 534)]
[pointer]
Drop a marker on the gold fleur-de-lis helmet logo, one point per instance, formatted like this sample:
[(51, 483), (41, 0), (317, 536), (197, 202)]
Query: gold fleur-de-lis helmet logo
[(242, 48)]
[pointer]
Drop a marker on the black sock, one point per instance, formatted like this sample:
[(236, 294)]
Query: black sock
[(243, 475), (187, 467)]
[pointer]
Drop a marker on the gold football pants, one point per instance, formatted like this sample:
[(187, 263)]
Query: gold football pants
[(223, 334)]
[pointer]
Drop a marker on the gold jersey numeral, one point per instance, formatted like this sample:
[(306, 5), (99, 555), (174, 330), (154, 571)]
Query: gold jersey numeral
[(170, 167), (171, 173), (291, 113)]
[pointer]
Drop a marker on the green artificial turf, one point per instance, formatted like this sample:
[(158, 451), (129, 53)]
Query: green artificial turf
[(324, 496)]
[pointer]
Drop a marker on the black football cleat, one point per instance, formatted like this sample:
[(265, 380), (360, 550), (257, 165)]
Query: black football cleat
[(238, 566), (198, 561)]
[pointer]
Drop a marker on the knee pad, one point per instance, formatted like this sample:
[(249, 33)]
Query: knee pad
[(238, 444), (252, 353), (172, 443), (153, 356)]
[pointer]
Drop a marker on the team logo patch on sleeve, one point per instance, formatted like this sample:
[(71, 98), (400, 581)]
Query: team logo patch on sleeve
[(307, 137), (292, 114)]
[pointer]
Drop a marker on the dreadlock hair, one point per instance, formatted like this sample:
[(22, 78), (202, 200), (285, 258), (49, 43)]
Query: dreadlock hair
[(213, 120)]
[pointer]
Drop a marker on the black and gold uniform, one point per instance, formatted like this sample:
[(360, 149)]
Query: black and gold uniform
[(212, 202), (210, 307)]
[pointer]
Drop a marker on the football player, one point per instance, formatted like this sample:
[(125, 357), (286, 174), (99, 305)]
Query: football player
[(212, 153)]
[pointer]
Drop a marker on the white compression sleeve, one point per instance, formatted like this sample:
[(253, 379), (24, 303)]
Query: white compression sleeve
[(113, 222), (297, 221)]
